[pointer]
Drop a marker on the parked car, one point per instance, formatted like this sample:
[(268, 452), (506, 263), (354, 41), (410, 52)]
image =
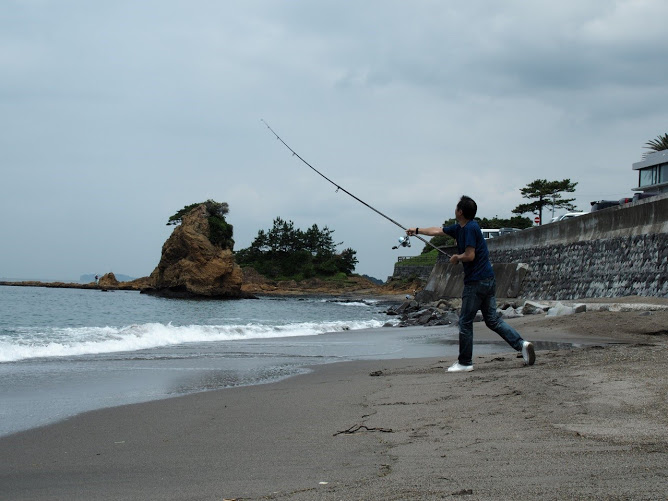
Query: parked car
[(645, 194), (570, 215), (506, 231), (490, 233), (603, 204), (625, 200)]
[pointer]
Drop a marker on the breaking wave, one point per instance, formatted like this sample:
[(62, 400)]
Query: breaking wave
[(26, 343)]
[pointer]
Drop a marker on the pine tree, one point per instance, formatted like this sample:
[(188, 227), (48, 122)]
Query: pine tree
[(546, 193)]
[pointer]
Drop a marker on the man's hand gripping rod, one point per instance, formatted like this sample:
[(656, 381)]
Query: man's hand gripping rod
[(338, 187)]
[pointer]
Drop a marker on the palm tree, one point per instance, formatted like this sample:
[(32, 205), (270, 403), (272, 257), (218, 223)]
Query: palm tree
[(658, 144)]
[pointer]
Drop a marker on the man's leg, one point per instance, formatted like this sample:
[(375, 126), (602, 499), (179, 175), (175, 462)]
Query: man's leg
[(470, 306), (495, 323)]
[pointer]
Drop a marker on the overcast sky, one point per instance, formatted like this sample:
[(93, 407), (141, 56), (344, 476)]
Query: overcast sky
[(116, 114)]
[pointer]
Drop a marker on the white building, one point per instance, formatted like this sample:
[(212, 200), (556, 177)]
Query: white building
[(653, 172)]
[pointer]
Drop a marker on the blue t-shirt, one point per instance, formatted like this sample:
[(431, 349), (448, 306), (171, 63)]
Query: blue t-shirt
[(471, 236)]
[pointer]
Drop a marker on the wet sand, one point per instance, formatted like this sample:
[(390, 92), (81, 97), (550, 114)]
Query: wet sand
[(583, 423)]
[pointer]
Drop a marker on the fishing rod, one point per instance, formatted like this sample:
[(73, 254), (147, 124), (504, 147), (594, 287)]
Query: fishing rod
[(403, 241)]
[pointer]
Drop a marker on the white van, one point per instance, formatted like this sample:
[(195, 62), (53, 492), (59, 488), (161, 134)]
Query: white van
[(569, 215), (491, 233)]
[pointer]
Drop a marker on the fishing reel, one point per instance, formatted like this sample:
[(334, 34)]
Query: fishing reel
[(403, 242)]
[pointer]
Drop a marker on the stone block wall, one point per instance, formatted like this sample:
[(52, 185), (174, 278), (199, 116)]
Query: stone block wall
[(403, 272), (608, 267)]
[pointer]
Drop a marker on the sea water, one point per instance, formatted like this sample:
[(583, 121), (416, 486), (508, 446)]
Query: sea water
[(67, 351)]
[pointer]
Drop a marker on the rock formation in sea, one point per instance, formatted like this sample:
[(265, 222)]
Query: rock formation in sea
[(192, 266), (108, 280)]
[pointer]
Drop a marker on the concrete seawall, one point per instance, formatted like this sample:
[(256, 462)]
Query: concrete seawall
[(610, 253), (649, 216)]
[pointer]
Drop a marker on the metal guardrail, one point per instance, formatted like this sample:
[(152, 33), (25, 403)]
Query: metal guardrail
[(420, 260)]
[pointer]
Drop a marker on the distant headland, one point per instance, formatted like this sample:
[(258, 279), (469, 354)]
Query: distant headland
[(197, 262)]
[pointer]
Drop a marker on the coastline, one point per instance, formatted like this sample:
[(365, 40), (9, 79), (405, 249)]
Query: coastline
[(585, 422), (255, 285), (122, 286)]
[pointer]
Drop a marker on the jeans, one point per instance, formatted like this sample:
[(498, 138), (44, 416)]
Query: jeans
[(481, 296)]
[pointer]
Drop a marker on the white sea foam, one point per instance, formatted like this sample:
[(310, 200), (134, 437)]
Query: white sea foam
[(352, 303), (67, 342)]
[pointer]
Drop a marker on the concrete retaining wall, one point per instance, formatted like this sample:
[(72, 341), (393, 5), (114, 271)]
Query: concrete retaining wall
[(403, 272), (610, 253), (644, 217), (609, 267), (447, 281)]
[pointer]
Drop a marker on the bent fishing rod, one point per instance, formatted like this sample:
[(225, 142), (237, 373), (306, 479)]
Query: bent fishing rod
[(403, 242)]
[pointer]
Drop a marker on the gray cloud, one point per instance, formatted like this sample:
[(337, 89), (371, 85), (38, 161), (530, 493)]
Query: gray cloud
[(116, 115)]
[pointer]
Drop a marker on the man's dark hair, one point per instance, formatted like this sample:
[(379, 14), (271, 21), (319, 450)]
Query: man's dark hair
[(468, 207)]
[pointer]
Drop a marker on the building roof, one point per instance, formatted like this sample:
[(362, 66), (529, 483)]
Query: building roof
[(655, 158)]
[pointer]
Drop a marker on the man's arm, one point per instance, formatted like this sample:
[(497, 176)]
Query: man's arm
[(432, 231), (466, 257)]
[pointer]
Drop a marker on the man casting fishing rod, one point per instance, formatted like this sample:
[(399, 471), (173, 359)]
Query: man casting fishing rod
[(479, 285)]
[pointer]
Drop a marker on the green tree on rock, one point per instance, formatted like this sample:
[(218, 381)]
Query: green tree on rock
[(213, 208), (220, 231), (546, 193), (284, 251)]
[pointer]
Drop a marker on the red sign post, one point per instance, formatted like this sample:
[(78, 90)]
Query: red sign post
[(536, 220)]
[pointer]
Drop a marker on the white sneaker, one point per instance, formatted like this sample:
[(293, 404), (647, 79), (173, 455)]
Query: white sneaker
[(528, 353), (457, 367)]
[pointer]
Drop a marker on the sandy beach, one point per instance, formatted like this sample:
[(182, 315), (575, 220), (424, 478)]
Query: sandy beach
[(586, 422)]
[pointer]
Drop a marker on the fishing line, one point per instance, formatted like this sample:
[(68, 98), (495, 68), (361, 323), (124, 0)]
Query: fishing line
[(339, 187)]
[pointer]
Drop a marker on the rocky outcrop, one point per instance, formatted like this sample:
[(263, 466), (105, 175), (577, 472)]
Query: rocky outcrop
[(137, 284), (352, 285), (108, 281), (191, 266)]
